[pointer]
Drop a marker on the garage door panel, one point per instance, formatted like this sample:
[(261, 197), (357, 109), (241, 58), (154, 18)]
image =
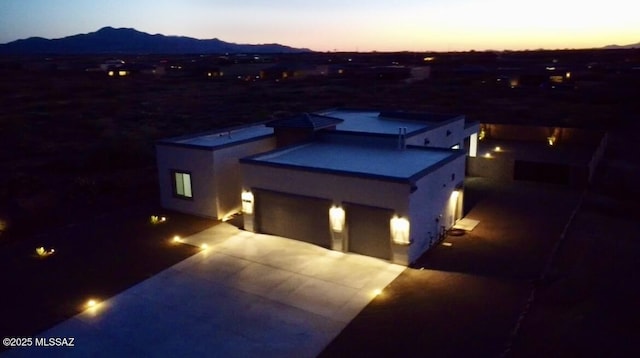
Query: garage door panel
[(369, 231), (297, 217)]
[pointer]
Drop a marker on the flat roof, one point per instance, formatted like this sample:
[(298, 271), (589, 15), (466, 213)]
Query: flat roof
[(222, 138), (369, 161), (380, 122)]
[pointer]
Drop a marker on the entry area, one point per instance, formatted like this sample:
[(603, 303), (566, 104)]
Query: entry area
[(369, 230), (297, 217)]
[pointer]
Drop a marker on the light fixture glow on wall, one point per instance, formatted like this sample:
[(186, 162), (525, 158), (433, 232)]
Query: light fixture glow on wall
[(400, 230), (473, 145), (336, 218), (247, 202)]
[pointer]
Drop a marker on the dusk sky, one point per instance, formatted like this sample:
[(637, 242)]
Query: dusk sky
[(342, 25)]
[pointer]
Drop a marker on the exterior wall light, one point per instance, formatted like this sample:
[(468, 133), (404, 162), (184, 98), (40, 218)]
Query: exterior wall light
[(336, 218), (551, 140), (400, 230), (247, 202), (473, 145)]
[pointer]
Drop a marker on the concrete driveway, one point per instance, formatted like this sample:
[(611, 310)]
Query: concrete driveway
[(245, 295)]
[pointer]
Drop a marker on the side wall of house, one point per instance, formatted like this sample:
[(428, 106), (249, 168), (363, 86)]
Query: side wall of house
[(200, 165), (433, 207)]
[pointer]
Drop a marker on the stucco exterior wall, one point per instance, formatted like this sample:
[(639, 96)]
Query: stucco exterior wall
[(199, 163), (227, 180), (215, 176), (431, 206), (438, 137), (339, 188)]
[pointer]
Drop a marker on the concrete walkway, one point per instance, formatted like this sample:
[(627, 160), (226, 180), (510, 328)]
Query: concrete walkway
[(245, 295)]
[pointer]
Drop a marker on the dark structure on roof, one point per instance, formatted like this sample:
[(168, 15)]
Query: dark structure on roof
[(301, 128)]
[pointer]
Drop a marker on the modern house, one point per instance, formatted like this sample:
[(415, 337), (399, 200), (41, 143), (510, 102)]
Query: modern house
[(383, 184)]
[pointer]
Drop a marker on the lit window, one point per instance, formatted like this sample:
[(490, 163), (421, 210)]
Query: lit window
[(182, 183)]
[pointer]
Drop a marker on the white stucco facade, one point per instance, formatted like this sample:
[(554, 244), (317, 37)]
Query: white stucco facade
[(420, 202), (214, 172), (368, 166)]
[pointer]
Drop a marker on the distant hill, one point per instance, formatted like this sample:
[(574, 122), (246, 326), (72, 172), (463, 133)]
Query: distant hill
[(109, 40), (615, 47)]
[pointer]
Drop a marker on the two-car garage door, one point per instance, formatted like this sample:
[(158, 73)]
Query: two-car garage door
[(307, 219)]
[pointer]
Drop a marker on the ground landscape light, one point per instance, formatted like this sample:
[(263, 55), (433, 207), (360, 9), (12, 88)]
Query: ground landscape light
[(177, 239), (204, 246), (497, 149)]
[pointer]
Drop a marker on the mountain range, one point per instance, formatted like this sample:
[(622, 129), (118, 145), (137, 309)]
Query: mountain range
[(618, 47), (109, 40)]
